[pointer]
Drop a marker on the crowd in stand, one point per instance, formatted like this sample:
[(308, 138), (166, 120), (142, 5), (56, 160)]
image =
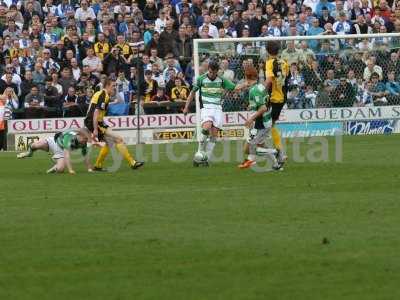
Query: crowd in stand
[(56, 53)]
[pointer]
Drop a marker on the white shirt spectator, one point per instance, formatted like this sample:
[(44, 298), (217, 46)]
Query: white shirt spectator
[(10, 2), (93, 62), (378, 19), (159, 25), (212, 30), (82, 15), (76, 73), (16, 79), (375, 69), (160, 79), (311, 3), (117, 9)]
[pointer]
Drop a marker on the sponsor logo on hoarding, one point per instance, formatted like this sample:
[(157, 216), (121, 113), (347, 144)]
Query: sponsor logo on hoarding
[(174, 135), (231, 133), (310, 129), (342, 114), (371, 127), (121, 122)]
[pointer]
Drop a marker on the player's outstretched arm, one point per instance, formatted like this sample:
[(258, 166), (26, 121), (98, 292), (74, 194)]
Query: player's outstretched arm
[(89, 166), (188, 102), (67, 159), (95, 124), (249, 123)]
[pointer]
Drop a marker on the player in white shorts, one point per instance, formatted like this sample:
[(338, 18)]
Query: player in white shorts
[(60, 146), (211, 88)]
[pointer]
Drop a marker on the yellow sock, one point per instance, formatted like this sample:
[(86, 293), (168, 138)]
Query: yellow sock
[(125, 153), (276, 138), (102, 156)]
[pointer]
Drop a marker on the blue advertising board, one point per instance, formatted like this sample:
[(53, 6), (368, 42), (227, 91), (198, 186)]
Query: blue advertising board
[(310, 129), (371, 127)]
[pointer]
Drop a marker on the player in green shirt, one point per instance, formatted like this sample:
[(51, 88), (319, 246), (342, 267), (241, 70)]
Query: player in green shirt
[(211, 88), (259, 123), (60, 146)]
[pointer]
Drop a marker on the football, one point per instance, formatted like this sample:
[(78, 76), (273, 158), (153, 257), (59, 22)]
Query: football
[(200, 156)]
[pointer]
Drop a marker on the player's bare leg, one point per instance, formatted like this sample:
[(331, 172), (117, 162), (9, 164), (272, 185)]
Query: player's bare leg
[(39, 145), (59, 167)]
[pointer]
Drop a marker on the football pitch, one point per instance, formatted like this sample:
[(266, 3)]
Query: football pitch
[(327, 230)]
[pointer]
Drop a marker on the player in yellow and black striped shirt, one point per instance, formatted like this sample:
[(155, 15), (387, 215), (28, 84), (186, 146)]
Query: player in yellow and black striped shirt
[(276, 73), (94, 121)]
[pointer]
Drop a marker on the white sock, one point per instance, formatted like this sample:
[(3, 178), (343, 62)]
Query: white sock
[(53, 169), (203, 143), (265, 151), (251, 157), (210, 146)]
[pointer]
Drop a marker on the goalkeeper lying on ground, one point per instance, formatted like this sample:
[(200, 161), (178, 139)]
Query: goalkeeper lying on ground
[(259, 123), (60, 146)]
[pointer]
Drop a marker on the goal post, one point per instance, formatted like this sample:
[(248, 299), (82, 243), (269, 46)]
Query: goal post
[(326, 70)]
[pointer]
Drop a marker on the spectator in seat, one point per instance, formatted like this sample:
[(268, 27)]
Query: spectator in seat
[(180, 91), (256, 22), (315, 29), (7, 82), (34, 104), (325, 17), (291, 54), (225, 71), (157, 75), (360, 26), (171, 65), (12, 101), (212, 29), (123, 87), (343, 95), (378, 90), (342, 26), (15, 77), (160, 96), (71, 104), (113, 62), (393, 87), (183, 48), (76, 70), (26, 86), (102, 47), (38, 75), (167, 39), (56, 84), (93, 62), (372, 68), (150, 86), (154, 59), (51, 96), (66, 80), (48, 62)]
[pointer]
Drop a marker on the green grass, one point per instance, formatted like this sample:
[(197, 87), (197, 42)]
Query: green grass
[(171, 231)]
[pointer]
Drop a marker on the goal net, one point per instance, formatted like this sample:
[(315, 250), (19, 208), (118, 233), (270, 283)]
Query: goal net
[(325, 70)]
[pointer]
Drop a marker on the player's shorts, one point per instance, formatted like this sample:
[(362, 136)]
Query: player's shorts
[(258, 136), (101, 128), (276, 109), (54, 148), (212, 114)]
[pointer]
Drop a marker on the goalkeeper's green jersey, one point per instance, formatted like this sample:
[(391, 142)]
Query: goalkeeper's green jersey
[(211, 91), (68, 140), (258, 97)]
